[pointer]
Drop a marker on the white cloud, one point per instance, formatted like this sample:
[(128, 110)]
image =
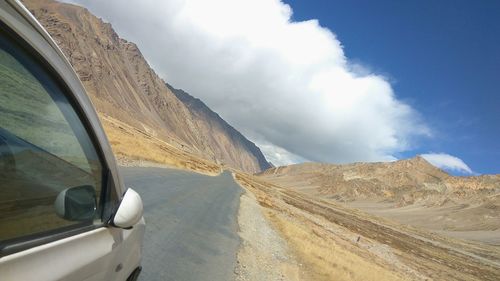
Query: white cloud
[(284, 84), (447, 162), (278, 155)]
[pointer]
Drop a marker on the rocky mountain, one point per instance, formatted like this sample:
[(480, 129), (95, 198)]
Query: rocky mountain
[(404, 181), (211, 121), (123, 86)]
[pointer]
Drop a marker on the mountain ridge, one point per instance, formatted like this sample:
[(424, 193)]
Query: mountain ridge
[(405, 181), (200, 108), (123, 86)]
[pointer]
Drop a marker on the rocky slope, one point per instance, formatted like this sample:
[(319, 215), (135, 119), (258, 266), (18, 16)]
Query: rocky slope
[(404, 181), (208, 121), (123, 86)]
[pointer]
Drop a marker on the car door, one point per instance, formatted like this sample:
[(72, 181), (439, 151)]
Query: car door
[(47, 148)]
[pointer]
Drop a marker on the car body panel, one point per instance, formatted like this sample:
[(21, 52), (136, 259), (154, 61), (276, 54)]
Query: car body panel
[(101, 253), (73, 259)]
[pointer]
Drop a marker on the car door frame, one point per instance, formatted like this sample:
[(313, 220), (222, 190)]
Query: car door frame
[(16, 17), (24, 260)]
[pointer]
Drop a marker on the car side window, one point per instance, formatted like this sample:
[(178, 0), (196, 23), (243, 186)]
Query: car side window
[(50, 174)]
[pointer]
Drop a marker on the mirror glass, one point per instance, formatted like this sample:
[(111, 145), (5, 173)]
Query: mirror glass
[(76, 203)]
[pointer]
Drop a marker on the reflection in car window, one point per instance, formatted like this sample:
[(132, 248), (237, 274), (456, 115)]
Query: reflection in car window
[(44, 148)]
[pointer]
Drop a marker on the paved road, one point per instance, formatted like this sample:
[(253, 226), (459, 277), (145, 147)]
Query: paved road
[(191, 224)]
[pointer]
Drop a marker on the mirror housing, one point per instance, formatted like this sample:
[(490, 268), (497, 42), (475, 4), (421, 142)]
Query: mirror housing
[(129, 211), (77, 203)]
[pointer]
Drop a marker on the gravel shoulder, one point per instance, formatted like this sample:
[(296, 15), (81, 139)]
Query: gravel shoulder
[(263, 254)]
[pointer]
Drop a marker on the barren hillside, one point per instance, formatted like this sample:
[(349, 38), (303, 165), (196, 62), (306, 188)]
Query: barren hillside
[(208, 121), (410, 191), (335, 242), (123, 86), (404, 181)]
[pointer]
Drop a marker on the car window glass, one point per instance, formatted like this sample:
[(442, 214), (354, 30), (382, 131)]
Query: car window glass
[(44, 149)]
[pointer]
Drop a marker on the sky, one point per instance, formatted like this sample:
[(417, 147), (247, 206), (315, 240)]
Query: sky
[(334, 81), (442, 57)]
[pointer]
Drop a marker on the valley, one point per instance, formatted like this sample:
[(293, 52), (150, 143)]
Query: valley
[(411, 192), (339, 242), (401, 220)]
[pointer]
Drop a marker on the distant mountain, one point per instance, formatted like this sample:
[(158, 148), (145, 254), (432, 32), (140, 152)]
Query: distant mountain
[(221, 135), (123, 86), (404, 181)]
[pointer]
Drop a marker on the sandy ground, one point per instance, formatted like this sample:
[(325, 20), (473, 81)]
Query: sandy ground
[(335, 242), (471, 222), (263, 254), (128, 162)]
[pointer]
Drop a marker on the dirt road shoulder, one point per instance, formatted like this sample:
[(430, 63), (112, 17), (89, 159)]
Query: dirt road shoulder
[(263, 254)]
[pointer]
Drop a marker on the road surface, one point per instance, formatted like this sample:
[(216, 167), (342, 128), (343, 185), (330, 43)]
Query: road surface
[(191, 224)]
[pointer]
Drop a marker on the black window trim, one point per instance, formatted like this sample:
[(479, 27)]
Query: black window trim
[(108, 196)]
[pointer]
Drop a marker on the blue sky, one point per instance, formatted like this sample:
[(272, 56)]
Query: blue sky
[(441, 57)]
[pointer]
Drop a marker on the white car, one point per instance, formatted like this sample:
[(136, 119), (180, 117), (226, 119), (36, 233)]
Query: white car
[(64, 212)]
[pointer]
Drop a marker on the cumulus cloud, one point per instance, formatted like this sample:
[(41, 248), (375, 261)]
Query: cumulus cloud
[(447, 162), (277, 155), (286, 85)]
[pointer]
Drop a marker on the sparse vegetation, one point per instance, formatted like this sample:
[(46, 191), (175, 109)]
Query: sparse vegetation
[(335, 242), (132, 144)]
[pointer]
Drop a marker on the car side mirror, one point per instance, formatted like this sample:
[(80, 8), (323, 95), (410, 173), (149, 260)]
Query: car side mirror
[(129, 211), (76, 203)]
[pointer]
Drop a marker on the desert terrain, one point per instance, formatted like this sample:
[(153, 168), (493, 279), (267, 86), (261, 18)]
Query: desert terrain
[(337, 242), (410, 191), (291, 233)]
